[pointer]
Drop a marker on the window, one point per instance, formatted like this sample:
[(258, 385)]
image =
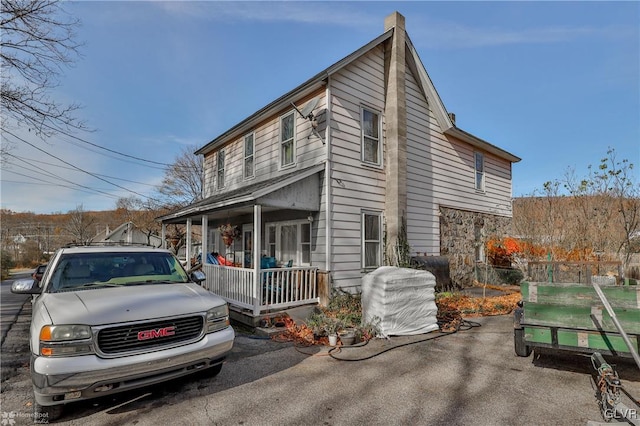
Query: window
[(221, 169), (289, 241), (371, 147), (478, 231), (371, 239), (247, 244), (479, 171), (248, 156), (215, 242), (287, 140)]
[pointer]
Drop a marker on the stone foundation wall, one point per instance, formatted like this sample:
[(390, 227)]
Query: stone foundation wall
[(460, 235)]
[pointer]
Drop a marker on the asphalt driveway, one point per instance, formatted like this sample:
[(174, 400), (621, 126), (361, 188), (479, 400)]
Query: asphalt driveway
[(468, 378)]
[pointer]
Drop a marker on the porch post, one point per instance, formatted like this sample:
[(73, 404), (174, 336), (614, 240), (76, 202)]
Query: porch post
[(205, 238), (163, 235), (257, 250), (188, 251)]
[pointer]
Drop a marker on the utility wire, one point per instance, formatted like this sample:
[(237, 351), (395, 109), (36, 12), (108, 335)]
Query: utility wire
[(63, 186), (26, 160), (82, 170), (106, 149), (113, 151)]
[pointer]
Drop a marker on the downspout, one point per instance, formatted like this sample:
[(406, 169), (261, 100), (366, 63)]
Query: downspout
[(327, 181)]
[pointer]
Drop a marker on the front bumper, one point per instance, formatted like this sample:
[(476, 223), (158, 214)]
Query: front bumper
[(62, 380)]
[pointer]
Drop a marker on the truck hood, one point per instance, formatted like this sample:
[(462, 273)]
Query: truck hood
[(124, 304)]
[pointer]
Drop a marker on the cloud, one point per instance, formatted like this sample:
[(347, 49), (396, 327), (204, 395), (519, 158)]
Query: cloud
[(451, 35), (313, 13)]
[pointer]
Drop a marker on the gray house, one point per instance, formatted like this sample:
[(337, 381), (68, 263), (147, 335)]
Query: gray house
[(355, 168)]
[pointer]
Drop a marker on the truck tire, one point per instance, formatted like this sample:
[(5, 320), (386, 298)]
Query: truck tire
[(520, 346), (46, 413)]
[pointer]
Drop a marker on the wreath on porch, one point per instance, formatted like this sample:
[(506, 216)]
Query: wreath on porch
[(229, 233)]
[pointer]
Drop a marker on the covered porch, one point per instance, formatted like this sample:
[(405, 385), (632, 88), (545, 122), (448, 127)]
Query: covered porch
[(273, 263)]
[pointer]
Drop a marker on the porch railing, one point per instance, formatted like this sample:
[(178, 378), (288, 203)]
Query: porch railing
[(278, 288)]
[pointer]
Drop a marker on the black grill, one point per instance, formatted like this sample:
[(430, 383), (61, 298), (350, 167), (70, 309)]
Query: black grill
[(123, 339)]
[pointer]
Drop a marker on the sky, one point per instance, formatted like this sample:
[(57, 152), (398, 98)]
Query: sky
[(555, 83)]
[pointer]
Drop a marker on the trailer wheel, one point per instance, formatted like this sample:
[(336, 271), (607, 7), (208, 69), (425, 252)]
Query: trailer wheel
[(522, 349)]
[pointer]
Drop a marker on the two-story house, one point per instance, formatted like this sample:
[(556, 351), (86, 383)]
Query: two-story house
[(356, 167)]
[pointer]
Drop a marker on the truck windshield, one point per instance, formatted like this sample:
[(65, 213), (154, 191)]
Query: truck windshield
[(106, 269)]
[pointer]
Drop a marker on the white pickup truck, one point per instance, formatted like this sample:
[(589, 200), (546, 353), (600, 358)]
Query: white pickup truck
[(108, 319)]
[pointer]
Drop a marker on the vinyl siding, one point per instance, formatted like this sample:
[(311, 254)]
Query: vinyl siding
[(309, 151), (441, 171), (354, 185)]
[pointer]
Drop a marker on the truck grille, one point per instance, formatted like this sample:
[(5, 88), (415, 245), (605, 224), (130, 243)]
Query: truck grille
[(150, 335)]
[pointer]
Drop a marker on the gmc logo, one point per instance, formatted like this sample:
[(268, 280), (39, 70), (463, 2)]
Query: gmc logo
[(154, 334)]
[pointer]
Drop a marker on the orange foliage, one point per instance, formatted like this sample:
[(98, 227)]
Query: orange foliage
[(500, 251), (478, 306)]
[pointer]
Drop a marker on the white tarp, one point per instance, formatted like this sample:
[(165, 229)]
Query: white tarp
[(402, 299)]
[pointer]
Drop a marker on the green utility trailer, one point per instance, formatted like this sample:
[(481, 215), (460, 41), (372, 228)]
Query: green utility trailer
[(572, 316)]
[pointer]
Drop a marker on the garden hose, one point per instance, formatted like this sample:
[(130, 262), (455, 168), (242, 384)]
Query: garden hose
[(463, 326)]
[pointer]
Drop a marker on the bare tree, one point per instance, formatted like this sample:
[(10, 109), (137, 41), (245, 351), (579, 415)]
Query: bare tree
[(597, 214), (37, 43), (143, 215), (614, 182), (182, 183), (80, 225)]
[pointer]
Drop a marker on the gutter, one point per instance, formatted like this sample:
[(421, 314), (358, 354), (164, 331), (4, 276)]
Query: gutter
[(482, 144)]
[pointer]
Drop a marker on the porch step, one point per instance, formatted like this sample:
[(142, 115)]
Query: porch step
[(298, 314)]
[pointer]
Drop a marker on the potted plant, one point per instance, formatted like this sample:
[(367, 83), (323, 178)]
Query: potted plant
[(229, 233), (347, 336), (332, 326)]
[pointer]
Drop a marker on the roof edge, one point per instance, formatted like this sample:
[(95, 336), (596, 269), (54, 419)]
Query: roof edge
[(302, 90), (480, 143)]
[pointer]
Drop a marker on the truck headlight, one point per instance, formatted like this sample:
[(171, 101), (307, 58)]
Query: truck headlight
[(65, 340), (217, 318)]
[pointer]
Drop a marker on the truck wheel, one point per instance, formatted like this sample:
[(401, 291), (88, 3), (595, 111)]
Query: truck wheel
[(46, 413), (520, 346)]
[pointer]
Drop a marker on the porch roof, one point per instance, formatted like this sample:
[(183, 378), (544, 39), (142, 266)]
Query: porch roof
[(298, 190)]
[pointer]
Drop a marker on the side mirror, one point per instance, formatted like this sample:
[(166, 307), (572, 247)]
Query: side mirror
[(198, 276), (26, 286)]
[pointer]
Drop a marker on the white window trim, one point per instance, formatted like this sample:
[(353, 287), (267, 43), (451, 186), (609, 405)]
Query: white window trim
[(253, 155), (298, 260), (481, 187), (362, 135), (363, 241), (215, 242), (280, 157), (218, 185)]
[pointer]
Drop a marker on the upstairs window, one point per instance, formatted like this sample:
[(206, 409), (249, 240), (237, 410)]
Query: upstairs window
[(248, 156), (221, 156), (371, 239), (371, 146), (287, 140), (479, 171)]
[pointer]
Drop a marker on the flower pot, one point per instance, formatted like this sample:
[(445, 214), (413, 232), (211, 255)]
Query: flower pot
[(347, 337), (227, 240), (333, 339)]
